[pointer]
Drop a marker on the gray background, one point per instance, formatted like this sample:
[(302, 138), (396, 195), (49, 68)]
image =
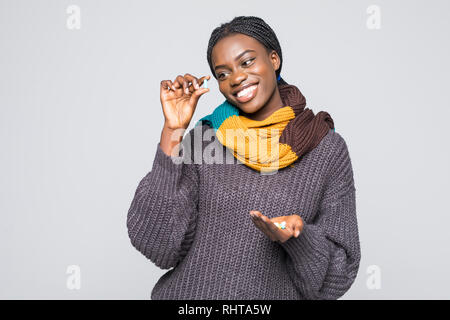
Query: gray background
[(80, 119)]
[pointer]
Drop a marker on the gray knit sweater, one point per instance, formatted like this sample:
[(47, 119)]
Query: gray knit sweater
[(194, 217)]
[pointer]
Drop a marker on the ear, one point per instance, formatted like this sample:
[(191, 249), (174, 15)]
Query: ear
[(275, 59)]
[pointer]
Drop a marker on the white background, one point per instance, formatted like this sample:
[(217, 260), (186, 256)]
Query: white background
[(80, 119)]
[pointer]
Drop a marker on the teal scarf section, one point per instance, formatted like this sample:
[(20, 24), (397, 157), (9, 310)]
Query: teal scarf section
[(219, 115)]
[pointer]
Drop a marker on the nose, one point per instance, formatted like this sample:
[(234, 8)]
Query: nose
[(237, 77)]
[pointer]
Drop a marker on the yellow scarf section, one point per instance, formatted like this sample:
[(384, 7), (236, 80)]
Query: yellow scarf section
[(256, 143)]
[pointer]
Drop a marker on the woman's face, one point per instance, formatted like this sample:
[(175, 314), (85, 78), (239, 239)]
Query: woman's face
[(241, 61)]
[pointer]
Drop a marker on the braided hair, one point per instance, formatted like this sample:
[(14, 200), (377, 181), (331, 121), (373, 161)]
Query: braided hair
[(251, 26)]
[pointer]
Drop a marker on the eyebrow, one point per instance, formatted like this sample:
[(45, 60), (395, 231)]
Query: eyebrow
[(237, 58)]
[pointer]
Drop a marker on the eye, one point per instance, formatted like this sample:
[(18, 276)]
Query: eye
[(246, 63)]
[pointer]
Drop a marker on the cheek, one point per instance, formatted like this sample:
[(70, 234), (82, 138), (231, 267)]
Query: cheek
[(259, 69), (264, 74), (222, 88)]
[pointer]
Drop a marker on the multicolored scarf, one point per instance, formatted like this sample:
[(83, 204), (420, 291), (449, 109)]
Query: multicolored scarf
[(275, 142)]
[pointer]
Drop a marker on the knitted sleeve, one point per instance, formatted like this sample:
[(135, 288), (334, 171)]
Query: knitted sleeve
[(324, 259), (162, 217)]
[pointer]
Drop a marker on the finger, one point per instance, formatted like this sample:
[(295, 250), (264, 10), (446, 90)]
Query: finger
[(183, 83), (296, 229), (259, 218), (195, 82), (190, 82), (171, 85), (165, 85), (260, 224), (186, 86), (176, 83), (256, 221), (269, 227), (268, 223), (202, 79), (192, 79), (198, 93), (254, 215), (272, 227), (300, 227)]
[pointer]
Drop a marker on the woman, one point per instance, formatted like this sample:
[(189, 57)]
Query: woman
[(255, 230)]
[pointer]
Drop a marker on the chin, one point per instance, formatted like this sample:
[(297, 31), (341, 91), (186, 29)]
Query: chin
[(250, 107), (247, 109)]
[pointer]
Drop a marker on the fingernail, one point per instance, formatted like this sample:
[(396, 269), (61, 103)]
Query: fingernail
[(297, 233)]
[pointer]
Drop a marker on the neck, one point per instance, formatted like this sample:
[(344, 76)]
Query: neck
[(273, 104)]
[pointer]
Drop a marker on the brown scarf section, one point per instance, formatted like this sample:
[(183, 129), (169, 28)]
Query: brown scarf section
[(306, 130)]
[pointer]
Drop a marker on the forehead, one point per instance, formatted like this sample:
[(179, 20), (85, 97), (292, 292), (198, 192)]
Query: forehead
[(226, 49)]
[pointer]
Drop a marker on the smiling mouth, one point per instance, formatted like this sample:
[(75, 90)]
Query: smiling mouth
[(247, 94)]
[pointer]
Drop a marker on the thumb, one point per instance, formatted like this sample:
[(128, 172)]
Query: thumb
[(197, 93), (296, 230)]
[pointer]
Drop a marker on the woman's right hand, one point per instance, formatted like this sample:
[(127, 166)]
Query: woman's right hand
[(179, 99)]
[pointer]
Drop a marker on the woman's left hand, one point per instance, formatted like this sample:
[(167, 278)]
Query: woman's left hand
[(294, 226)]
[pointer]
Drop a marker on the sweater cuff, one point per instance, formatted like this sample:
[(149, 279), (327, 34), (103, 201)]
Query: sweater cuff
[(310, 247), (169, 163), (167, 171)]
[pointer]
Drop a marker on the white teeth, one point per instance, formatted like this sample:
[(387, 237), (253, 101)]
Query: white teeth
[(246, 91)]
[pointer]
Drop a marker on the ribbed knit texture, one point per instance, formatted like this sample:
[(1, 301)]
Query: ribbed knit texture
[(195, 218)]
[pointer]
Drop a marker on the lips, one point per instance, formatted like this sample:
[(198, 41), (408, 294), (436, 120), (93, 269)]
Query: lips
[(247, 94)]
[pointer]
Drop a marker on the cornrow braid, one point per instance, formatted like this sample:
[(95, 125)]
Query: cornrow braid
[(251, 26)]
